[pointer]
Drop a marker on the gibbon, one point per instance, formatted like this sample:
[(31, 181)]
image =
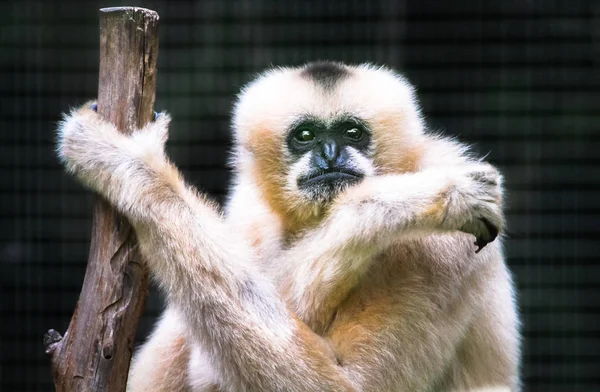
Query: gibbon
[(356, 252)]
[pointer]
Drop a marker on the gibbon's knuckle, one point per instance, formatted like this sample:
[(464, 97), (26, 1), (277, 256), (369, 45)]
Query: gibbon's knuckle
[(476, 175), (483, 174), (483, 178)]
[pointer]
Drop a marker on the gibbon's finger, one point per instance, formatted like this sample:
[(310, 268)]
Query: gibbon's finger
[(492, 230), (94, 107)]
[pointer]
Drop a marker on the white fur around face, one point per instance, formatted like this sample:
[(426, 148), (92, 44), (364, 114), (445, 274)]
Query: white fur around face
[(298, 169), (361, 162)]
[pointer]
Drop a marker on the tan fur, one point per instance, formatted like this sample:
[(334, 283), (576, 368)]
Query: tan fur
[(269, 169), (393, 154), (378, 290)]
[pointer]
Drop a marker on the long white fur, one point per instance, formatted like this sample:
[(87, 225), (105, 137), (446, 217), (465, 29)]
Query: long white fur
[(272, 315)]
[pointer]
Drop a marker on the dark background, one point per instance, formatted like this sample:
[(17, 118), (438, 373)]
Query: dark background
[(517, 78)]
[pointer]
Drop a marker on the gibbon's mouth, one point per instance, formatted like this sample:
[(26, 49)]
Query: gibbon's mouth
[(330, 175)]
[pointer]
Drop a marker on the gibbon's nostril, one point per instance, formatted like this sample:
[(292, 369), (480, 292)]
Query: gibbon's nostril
[(320, 162), (330, 151), (341, 158)]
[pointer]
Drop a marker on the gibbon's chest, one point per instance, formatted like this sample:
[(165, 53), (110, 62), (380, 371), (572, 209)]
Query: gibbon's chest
[(395, 279)]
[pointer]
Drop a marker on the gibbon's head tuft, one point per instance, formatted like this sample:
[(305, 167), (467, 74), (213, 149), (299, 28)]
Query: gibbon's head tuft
[(304, 134)]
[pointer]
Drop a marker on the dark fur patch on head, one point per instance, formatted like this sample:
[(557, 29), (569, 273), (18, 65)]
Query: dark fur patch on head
[(326, 73)]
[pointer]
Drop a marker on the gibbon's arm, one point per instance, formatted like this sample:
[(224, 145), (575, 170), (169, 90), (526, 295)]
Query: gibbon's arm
[(233, 311), (319, 271), (230, 308)]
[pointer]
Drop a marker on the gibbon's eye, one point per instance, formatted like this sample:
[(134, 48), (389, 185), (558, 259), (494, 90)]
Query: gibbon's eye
[(305, 135), (354, 133)]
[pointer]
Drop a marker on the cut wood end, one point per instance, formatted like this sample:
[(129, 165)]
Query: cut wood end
[(148, 14), (52, 340)]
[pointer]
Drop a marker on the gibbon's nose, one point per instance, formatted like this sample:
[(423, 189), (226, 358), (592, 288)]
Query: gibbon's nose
[(329, 155), (331, 152)]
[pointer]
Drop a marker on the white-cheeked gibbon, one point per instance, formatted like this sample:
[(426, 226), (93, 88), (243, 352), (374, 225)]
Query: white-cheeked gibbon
[(356, 250)]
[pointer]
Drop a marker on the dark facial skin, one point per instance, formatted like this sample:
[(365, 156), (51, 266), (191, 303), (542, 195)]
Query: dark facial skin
[(332, 168)]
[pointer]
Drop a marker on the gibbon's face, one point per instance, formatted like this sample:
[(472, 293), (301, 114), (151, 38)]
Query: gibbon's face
[(327, 155), (304, 134)]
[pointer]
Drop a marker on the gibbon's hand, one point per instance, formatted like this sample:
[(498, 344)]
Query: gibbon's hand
[(92, 148), (475, 203)]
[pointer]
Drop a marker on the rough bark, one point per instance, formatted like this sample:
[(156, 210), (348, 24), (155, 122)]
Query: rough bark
[(95, 352)]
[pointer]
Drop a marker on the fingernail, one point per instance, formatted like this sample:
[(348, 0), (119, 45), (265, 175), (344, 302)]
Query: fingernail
[(94, 107)]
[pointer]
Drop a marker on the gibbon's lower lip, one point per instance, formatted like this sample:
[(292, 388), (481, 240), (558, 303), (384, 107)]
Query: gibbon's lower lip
[(330, 177)]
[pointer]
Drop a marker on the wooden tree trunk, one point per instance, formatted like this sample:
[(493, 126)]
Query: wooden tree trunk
[(95, 352)]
